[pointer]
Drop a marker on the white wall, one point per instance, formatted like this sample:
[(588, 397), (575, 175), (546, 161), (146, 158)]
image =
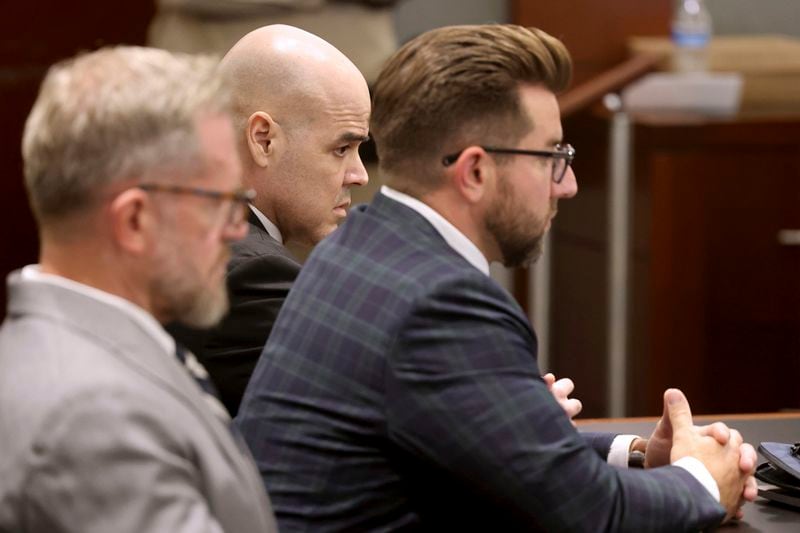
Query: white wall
[(730, 16), (755, 16), (413, 17)]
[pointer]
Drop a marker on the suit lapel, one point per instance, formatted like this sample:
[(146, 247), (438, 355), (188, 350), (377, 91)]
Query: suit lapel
[(126, 339), (253, 220)]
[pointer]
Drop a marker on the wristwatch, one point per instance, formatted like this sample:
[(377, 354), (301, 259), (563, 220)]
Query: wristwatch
[(635, 459)]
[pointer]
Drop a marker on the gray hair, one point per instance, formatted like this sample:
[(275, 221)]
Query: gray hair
[(112, 115)]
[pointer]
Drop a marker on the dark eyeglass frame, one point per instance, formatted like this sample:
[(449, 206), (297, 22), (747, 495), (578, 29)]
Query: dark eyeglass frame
[(562, 151), (241, 197)]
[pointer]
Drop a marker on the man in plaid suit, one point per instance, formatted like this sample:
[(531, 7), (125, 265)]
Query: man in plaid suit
[(399, 388)]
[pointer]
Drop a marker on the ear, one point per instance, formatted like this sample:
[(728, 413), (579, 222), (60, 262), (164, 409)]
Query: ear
[(473, 174), (132, 220), (261, 133)]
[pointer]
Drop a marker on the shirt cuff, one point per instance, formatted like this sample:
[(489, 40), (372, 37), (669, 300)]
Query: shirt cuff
[(618, 453), (701, 473)]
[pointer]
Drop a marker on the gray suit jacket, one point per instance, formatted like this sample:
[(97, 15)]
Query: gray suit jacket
[(101, 431)]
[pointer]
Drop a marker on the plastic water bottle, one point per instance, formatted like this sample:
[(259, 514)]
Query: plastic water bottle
[(691, 35)]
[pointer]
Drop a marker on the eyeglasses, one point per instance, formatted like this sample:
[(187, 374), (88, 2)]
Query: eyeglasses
[(239, 198), (562, 157)]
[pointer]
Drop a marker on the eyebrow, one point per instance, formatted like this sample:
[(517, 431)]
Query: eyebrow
[(352, 137)]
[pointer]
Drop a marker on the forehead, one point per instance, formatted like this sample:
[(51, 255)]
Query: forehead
[(343, 108), (541, 106)]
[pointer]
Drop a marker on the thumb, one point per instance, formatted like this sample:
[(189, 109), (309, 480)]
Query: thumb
[(677, 407), (664, 427)]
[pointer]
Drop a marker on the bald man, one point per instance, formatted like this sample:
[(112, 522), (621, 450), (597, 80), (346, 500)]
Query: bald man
[(301, 110)]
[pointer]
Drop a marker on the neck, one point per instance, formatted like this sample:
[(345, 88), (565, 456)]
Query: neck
[(260, 180), (266, 209), (87, 263), (464, 217)]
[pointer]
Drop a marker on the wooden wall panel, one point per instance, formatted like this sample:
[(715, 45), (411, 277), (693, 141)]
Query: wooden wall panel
[(714, 308), (724, 294), (35, 35), (595, 32)]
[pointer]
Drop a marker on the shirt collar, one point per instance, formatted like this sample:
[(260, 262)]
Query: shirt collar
[(457, 240), (33, 273), (271, 228)]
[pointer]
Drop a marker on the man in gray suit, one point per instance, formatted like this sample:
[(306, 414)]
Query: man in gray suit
[(133, 177)]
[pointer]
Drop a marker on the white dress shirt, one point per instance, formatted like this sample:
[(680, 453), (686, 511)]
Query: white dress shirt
[(271, 228)]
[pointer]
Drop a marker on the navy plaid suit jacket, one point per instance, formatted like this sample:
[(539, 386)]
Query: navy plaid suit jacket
[(399, 390)]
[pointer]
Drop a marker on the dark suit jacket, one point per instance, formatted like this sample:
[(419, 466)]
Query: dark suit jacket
[(399, 389), (260, 273)]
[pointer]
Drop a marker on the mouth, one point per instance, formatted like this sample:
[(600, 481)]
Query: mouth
[(553, 210), (342, 208), (550, 220)]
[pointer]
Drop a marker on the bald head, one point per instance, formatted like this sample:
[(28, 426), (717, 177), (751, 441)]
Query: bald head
[(301, 109), (282, 70)]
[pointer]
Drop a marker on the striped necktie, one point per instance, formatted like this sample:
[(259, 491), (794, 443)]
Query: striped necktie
[(201, 377), (195, 369)]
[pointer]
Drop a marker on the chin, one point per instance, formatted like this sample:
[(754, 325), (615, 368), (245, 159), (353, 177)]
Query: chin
[(310, 236), (521, 256), (208, 310), (324, 232)]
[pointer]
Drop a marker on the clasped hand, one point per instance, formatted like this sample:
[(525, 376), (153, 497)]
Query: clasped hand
[(561, 389), (729, 459)]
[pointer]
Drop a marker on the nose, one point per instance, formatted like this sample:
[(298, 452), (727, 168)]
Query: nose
[(357, 175), (568, 186)]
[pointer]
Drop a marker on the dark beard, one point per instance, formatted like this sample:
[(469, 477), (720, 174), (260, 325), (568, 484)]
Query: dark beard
[(513, 235), (519, 251)]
